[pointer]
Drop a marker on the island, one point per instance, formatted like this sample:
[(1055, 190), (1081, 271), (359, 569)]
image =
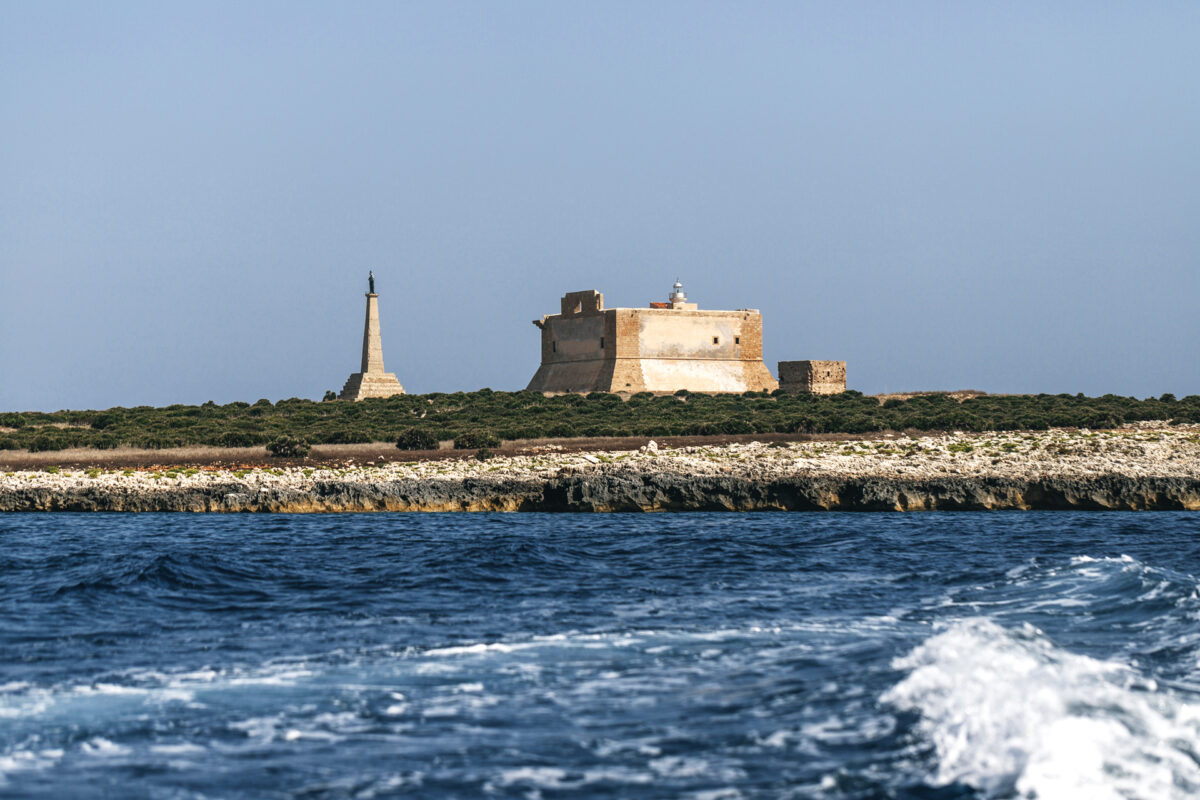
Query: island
[(1138, 466)]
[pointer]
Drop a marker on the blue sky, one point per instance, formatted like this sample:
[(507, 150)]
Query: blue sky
[(946, 195)]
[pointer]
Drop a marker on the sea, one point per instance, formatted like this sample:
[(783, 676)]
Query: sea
[(690, 655)]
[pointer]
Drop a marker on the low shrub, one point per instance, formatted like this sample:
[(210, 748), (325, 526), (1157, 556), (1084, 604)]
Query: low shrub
[(529, 415), (239, 439), (349, 436), (288, 447), (513, 434), (417, 439), (472, 440), (107, 419), (43, 443)]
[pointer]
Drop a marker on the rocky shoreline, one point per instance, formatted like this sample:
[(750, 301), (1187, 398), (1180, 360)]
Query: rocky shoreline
[(1132, 468)]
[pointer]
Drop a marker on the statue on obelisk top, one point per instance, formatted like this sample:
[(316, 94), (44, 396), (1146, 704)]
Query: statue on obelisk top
[(372, 379)]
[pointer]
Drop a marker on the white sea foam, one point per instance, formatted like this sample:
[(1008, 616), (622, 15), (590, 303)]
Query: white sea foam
[(104, 748), (728, 793), (296, 734), (679, 766), (437, 712), (130, 692), (545, 777), (561, 779), (646, 746), (690, 767), (27, 761), (471, 649), (24, 703), (183, 749), (777, 739), (1122, 559), (261, 729), (389, 785), (1008, 711)]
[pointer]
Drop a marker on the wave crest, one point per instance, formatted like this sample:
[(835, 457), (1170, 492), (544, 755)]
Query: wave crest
[(1007, 711)]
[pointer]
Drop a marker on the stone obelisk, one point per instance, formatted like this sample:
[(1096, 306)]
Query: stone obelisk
[(372, 381)]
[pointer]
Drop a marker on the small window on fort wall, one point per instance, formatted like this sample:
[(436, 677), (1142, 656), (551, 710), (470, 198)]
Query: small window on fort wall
[(716, 340), (601, 342), (737, 340), (554, 346)]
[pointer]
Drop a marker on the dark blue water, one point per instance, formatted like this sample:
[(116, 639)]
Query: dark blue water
[(710, 656)]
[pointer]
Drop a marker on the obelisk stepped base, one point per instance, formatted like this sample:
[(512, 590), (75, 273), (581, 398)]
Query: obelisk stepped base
[(360, 386)]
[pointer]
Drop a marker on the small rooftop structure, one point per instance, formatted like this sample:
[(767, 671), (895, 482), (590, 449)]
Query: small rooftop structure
[(676, 300)]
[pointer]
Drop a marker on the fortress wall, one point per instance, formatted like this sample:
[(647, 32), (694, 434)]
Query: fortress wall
[(752, 338), (682, 334), (573, 376), (689, 334), (676, 350), (669, 374), (572, 359), (628, 375), (574, 339)]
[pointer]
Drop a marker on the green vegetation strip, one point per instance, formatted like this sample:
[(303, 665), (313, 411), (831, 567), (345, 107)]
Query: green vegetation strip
[(483, 418)]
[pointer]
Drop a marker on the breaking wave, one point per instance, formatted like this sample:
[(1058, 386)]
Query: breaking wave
[(1007, 711)]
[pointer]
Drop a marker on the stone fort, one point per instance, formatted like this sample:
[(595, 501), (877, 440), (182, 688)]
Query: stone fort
[(662, 348), (812, 377)]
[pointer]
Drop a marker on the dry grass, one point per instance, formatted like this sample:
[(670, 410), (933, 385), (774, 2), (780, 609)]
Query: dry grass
[(83, 457)]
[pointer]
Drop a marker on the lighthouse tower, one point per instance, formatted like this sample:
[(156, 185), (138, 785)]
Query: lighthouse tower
[(372, 380)]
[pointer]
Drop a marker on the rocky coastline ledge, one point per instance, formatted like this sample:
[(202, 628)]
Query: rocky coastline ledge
[(1131, 468)]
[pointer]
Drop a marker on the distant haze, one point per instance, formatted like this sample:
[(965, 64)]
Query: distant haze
[(1003, 197)]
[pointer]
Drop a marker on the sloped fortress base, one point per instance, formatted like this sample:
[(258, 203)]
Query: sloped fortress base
[(360, 386), (661, 375)]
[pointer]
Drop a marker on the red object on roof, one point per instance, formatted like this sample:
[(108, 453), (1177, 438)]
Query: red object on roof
[(660, 305)]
